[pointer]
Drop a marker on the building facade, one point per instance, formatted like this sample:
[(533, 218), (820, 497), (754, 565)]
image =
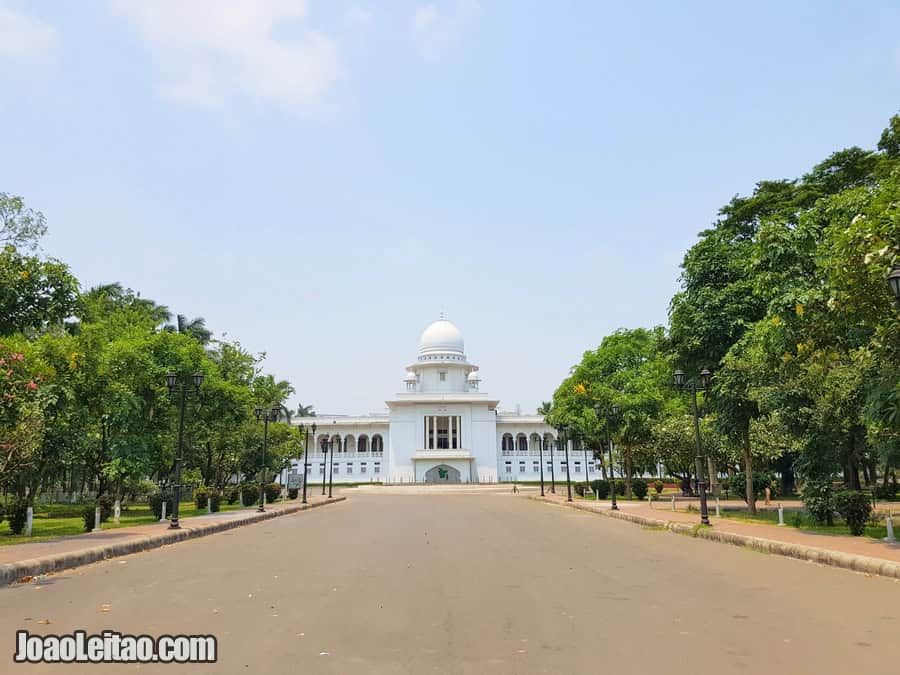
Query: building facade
[(440, 429)]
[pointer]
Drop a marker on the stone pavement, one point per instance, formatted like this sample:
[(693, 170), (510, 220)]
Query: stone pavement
[(858, 553), (31, 559)]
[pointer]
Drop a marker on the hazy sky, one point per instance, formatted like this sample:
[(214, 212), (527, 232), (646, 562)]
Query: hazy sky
[(319, 179)]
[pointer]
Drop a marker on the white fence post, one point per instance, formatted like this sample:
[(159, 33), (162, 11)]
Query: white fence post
[(29, 520)]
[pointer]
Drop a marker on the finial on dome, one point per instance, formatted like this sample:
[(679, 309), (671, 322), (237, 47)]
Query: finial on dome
[(443, 315)]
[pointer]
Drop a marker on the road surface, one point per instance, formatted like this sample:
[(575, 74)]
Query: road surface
[(471, 583)]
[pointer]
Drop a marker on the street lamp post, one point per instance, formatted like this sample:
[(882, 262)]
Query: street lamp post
[(325, 466), (693, 387), (563, 433), (185, 388), (552, 463), (331, 464), (894, 282), (587, 470), (306, 455), (265, 416), (541, 453)]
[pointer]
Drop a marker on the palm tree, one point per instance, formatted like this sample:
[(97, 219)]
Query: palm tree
[(544, 408), (195, 328), (305, 410)]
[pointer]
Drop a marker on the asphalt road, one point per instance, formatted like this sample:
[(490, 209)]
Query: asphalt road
[(471, 584)]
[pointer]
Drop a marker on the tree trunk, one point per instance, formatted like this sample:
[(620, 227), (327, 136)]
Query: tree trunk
[(748, 472), (628, 470)]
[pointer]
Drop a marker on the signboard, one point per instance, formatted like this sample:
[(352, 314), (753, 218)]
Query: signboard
[(294, 481)]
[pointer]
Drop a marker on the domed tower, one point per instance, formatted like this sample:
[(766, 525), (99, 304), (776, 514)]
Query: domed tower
[(441, 366)]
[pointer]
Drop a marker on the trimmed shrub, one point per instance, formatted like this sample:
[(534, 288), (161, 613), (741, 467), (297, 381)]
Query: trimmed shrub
[(855, 508), (600, 486), (888, 491), (273, 491), (639, 488), (215, 502), (737, 484), (156, 501), (292, 493), (232, 495), (106, 508), (620, 487), (818, 498), (579, 489), (658, 485), (250, 494), (17, 512), (201, 497)]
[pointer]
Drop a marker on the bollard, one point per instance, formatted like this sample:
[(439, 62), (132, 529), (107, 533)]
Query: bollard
[(96, 520), (673, 502), (117, 511), (780, 515), (889, 522), (163, 519), (650, 501), (208, 504), (718, 512), (241, 497), (29, 520)]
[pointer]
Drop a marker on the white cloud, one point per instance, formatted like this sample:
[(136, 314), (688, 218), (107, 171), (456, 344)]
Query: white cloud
[(25, 38), (211, 50), (434, 32)]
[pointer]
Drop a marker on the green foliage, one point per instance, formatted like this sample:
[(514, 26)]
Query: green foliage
[(818, 499), (250, 493), (639, 488), (888, 491), (156, 501), (89, 512), (201, 497), (35, 294), (215, 502), (761, 480), (658, 486), (20, 226), (602, 486), (233, 495), (17, 513), (855, 508), (273, 491), (292, 493)]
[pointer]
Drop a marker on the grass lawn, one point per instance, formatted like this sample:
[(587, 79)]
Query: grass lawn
[(804, 522), (62, 520)]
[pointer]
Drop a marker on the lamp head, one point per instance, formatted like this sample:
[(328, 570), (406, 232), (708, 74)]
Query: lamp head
[(705, 377), (614, 409), (258, 412), (171, 381), (679, 378), (198, 379), (894, 282)]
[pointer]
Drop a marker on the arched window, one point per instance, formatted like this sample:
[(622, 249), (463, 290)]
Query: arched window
[(362, 445), (323, 443), (534, 442), (349, 443), (336, 445), (377, 443), (548, 441), (506, 443), (522, 443)]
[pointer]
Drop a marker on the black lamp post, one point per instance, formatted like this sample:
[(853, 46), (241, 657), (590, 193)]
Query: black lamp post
[(265, 416), (693, 386), (541, 453), (563, 434), (325, 466), (610, 417), (894, 282), (331, 464), (306, 454), (552, 463), (185, 388), (587, 470)]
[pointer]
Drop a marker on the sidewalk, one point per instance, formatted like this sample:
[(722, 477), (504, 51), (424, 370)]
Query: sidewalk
[(25, 560), (857, 553)]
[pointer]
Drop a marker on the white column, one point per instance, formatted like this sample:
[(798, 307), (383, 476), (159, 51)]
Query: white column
[(454, 436)]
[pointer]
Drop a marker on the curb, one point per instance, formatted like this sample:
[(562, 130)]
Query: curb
[(11, 572), (823, 556)]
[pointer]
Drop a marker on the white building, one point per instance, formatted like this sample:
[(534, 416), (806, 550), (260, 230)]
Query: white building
[(440, 429)]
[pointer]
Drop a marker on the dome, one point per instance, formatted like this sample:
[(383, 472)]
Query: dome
[(441, 337), (473, 377), (410, 376)]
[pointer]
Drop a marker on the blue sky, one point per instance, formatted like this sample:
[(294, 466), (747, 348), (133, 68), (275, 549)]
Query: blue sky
[(319, 179)]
